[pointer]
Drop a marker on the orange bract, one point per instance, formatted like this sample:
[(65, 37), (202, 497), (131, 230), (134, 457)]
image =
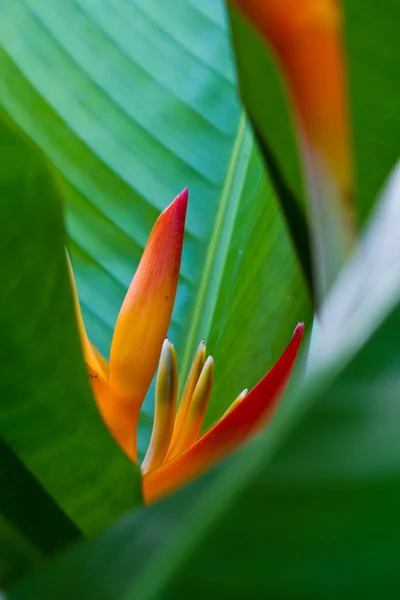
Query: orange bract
[(145, 314), (306, 38)]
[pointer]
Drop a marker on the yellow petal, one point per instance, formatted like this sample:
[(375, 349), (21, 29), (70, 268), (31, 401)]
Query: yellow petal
[(146, 311), (191, 381), (165, 408), (197, 409), (95, 361)]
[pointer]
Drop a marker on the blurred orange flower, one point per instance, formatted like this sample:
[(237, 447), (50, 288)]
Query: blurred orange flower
[(306, 37)]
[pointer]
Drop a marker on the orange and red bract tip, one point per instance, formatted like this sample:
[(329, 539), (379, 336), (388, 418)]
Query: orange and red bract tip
[(244, 420), (146, 311), (306, 38)]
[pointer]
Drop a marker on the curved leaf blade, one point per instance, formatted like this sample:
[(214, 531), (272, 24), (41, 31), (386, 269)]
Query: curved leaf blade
[(64, 459), (23, 541)]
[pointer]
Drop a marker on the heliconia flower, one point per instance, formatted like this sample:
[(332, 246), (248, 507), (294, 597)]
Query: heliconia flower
[(178, 451)]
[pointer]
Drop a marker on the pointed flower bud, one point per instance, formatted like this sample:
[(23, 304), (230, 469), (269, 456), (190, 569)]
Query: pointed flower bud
[(191, 381), (165, 407), (235, 403), (146, 311), (197, 409)]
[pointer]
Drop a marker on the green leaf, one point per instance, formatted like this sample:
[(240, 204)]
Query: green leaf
[(62, 476), (309, 509), (132, 101), (374, 89), (23, 541)]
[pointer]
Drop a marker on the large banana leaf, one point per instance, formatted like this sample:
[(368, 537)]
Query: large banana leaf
[(132, 101), (62, 477), (307, 510)]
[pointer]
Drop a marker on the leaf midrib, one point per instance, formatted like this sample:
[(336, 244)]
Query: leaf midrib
[(207, 296)]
